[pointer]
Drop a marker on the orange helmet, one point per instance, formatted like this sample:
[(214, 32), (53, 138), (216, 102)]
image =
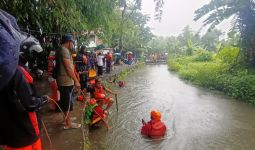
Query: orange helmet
[(92, 82), (92, 101), (155, 115)]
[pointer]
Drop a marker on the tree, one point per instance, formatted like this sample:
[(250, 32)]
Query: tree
[(244, 12), (108, 18), (186, 35), (211, 39), (130, 8)]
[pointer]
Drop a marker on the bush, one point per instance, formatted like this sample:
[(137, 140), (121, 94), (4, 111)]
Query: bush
[(240, 87), (216, 73), (203, 56), (228, 54)]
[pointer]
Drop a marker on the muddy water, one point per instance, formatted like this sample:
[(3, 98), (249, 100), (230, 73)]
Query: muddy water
[(195, 117)]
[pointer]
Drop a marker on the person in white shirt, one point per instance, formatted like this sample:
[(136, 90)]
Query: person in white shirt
[(100, 63)]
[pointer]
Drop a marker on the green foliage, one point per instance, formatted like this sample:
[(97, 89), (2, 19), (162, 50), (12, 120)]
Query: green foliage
[(241, 86), (105, 17), (216, 72), (228, 54), (211, 39), (203, 56)]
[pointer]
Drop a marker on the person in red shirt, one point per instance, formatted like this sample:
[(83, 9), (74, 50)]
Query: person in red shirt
[(155, 127), (108, 62)]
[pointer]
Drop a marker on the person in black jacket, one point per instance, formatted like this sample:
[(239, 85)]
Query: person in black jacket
[(18, 101), (82, 68)]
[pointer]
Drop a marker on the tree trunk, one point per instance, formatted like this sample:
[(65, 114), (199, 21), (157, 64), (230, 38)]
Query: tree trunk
[(122, 23)]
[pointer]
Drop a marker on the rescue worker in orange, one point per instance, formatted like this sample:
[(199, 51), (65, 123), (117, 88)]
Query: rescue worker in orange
[(98, 92), (19, 129), (108, 62), (155, 127)]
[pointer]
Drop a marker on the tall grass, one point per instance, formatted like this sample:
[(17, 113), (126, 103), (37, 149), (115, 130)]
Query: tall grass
[(217, 71)]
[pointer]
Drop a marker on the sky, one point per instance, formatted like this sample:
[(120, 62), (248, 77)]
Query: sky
[(176, 15)]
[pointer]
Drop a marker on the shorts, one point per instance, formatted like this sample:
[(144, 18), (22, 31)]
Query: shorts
[(66, 98)]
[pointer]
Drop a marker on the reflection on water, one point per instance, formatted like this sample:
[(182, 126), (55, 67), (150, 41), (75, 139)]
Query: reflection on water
[(196, 118)]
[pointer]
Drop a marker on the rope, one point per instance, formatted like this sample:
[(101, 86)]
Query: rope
[(44, 127), (47, 134)]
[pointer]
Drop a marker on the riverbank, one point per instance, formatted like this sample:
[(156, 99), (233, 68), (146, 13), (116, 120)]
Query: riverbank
[(217, 73), (59, 138)]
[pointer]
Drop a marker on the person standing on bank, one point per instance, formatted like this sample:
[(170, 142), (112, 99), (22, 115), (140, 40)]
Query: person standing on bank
[(82, 68), (100, 63), (66, 79)]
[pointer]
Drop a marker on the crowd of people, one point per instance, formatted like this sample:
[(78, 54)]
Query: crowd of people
[(19, 102)]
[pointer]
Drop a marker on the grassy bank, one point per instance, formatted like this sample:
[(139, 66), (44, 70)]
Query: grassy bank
[(217, 71)]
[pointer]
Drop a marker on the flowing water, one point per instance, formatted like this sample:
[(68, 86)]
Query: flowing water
[(196, 118)]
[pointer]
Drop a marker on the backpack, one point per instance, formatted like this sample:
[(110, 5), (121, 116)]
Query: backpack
[(10, 40)]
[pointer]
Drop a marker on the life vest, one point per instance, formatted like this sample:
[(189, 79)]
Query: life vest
[(89, 113), (27, 76), (109, 57), (99, 93), (51, 64), (32, 115), (157, 129), (153, 129)]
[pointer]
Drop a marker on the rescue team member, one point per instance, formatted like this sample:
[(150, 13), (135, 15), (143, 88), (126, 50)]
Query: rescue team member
[(94, 112), (18, 103), (155, 127), (98, 93)]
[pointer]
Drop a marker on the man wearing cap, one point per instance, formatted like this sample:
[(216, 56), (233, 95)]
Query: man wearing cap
[(155, 127), (66, 79)]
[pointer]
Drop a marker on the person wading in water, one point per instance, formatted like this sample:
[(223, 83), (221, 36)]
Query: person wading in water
[(155, 127)]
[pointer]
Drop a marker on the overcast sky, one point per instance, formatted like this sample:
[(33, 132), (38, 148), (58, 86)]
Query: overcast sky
[(176, 15)]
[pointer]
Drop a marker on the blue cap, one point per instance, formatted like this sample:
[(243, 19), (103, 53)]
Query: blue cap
[(67, 38)]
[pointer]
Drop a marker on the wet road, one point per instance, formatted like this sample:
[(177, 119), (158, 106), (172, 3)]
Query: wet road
[(196, 118)]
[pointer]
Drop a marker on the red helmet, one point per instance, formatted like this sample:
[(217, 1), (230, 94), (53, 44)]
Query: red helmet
[(92, 101), (99, 95), (80, 98)]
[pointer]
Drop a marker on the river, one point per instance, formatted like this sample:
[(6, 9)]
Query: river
[(196, 118)]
